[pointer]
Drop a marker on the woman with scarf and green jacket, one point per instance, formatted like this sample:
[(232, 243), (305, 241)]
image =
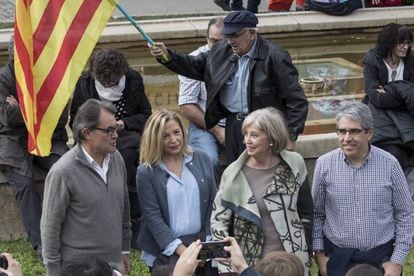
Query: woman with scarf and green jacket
[(264, 200)]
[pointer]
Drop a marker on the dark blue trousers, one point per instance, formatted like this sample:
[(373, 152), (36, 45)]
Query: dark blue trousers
[(340, 259)]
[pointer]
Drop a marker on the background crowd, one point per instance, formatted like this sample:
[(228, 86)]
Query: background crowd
[(332, 7)]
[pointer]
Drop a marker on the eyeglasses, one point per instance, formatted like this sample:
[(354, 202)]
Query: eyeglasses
[(110, 130), (352, 131), (236, 35), (407, 43)]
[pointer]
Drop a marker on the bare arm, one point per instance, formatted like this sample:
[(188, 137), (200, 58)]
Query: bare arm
[(194, 114)]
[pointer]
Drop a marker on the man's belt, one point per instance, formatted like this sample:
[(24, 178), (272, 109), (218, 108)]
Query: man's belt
[(241, 116)]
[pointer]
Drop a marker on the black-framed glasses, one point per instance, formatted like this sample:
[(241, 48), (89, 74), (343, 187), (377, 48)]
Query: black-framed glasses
[(109, 130), (351, 131), (404, 43)]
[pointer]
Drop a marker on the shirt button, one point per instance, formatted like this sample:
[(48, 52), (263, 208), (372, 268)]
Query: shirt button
[(202, 179)]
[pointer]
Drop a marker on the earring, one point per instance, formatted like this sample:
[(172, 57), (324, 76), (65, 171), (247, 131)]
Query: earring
[(270, 145)]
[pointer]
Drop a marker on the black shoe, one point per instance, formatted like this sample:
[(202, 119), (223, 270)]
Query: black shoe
[(224, 4)]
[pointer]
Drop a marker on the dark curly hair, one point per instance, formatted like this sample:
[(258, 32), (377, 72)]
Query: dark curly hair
[(390, 36), (108, 65)]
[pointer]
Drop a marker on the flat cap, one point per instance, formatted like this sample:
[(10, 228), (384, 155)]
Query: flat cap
[(237, 20)]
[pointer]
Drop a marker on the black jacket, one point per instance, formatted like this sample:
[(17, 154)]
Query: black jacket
[(393, 123), (138, 106), (13, 131), (273, 81)]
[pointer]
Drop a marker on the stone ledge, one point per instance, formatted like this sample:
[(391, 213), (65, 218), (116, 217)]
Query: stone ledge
[(269, 23), (287, 22), (313, 146)]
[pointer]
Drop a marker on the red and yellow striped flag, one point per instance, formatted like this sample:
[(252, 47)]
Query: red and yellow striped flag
[(52, 43)]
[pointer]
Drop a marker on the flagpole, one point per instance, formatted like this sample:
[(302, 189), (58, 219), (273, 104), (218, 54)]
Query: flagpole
[(138, 27)]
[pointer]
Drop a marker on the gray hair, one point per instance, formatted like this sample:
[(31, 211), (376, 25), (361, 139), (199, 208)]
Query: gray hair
[(357, 112), (88, 116), (271, 121)]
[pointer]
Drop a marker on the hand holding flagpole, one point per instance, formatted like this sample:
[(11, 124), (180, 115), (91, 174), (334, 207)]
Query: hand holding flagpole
[(164, 57)]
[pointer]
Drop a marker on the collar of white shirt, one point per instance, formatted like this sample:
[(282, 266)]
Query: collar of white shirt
[(102, 171)]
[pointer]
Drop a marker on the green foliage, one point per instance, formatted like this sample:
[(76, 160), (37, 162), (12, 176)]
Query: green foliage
[(21, 250), (137, 266), (27, 257)]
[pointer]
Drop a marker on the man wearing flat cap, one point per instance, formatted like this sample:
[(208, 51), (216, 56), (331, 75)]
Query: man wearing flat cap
[(242, 73)]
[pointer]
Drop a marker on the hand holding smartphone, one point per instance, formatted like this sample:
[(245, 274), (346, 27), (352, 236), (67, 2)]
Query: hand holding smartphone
[(213, 249)]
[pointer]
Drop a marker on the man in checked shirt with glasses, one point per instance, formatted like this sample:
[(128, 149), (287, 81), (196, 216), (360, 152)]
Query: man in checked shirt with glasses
[(363, 211)]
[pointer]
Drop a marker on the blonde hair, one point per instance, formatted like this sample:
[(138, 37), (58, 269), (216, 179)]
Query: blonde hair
[(271, 121), (280, 263), (151, 148)]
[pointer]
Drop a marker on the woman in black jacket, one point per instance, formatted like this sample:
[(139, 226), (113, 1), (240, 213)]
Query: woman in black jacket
[(389, 88)]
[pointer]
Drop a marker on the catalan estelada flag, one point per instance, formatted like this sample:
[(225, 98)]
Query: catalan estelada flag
[(53, 40)]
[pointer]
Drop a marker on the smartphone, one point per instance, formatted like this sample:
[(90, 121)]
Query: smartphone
[(3, 262), (213, 249)]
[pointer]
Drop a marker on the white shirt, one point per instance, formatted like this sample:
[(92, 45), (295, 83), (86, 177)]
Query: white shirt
[(399, 75), (102, 171)]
